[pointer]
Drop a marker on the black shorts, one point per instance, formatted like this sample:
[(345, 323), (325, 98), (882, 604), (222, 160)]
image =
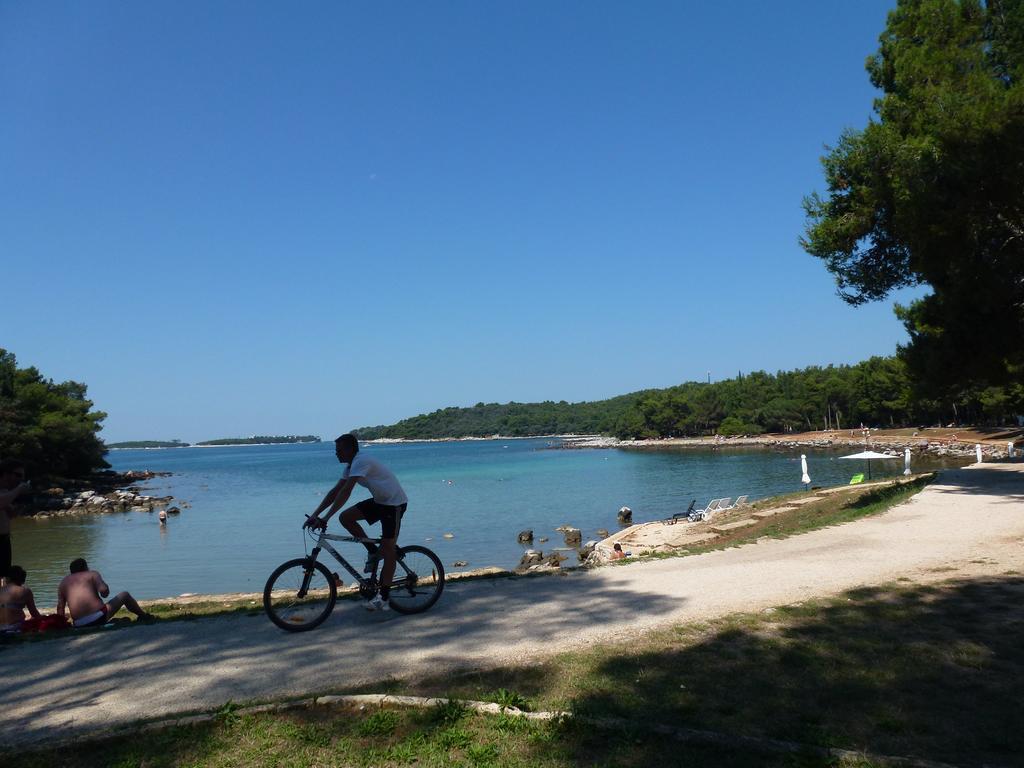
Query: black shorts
[(388, 516), (5, 554)]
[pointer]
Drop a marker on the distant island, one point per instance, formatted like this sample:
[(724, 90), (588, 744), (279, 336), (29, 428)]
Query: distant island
[(254, 440), (149, 444), (262, 440)]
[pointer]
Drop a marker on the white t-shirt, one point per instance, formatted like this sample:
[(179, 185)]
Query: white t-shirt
[(378, 479)]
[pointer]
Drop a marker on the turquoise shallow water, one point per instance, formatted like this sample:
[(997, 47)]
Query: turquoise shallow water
[(248, 502)]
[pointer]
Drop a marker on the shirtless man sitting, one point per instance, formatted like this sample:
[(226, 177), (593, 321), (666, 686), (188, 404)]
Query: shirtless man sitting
[(14, 599), (82, 591)]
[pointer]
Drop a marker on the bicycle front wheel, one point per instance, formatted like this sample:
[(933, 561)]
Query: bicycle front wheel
[(299, 595), (418, 582)]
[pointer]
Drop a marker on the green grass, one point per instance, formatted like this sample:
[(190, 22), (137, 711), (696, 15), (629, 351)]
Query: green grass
[(844, 508), (824, 511), (394, 738), (931, 671)]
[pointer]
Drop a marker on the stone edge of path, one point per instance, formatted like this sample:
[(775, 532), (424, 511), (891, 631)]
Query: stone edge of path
[(362, 702)]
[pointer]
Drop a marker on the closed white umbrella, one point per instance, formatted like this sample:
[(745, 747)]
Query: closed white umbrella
[(804, 478), (977, 451), (868, 456), (1009, 449), (906, 461)]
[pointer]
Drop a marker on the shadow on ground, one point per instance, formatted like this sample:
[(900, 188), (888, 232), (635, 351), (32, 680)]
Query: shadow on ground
[(926, 671), (78, 684), (931, 672), (986, 480)]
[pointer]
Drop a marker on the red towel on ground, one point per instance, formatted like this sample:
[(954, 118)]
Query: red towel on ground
[(44, 624)]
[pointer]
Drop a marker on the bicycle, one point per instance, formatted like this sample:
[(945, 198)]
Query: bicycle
[(300, 594)]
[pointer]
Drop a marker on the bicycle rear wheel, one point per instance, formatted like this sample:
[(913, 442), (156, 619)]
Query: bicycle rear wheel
[(418, 581), (299, 595)]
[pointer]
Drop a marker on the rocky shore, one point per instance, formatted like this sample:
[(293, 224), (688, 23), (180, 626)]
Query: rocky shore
[(104, 492), (534, 560), (922, 443)]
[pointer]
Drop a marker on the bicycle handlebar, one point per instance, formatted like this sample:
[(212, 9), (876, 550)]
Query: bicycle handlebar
[(321, 527)]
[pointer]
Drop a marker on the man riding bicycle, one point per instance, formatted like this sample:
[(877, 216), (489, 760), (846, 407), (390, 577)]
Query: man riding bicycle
[(386, 505)]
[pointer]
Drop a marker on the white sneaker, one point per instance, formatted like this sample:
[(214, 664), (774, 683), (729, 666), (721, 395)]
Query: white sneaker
[(377, 603)]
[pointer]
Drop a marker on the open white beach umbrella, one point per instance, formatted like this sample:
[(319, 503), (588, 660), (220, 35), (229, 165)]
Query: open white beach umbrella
[(804, 478), (906, 461), (868, 456)]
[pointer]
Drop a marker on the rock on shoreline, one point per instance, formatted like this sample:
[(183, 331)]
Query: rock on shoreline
[(102, 493), (917, 445)]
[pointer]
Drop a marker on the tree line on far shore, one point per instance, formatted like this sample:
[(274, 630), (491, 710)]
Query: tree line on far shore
[(877, 392), (254, 440), (518, 419), (53, 428), (262, 440)]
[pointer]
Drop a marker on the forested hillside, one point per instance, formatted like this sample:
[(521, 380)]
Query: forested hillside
[(516, 419), (876, 392)]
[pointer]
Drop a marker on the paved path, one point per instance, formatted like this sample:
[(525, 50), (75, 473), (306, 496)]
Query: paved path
[(971, 522)]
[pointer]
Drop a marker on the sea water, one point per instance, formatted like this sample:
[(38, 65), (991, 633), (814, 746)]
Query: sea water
[(246, 505)]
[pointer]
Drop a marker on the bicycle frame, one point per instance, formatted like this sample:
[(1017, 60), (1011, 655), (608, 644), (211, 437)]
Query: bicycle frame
[(322, 542)]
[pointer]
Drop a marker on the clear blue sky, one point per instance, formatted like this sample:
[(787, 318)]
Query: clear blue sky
[(235, 218)]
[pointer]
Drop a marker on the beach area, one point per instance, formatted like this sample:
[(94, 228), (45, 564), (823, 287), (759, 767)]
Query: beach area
[(237, 510), (965, 525)]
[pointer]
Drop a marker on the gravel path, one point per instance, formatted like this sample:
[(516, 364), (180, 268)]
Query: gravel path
[(970, 523)]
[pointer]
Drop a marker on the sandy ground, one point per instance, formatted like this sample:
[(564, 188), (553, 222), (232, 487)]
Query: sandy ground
[(969, 523)]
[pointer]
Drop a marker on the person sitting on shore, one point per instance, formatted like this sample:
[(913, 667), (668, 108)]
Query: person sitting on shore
[(82, 592), (617, 553), (14, 599)]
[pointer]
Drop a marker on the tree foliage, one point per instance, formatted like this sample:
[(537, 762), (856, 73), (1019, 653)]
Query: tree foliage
[(876, 392), (262, 440), (149, 444), (49, 426), (931, 193), (510, 419)]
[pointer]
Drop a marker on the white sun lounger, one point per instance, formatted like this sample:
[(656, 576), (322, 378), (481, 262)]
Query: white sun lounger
[(704, 514), (741, 501)]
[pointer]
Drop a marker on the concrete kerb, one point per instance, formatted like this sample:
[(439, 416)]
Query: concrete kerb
[(363, 702)]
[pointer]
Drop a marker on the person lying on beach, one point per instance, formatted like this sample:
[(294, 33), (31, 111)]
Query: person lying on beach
[(386, 505), (82, 592), (14, 599)]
